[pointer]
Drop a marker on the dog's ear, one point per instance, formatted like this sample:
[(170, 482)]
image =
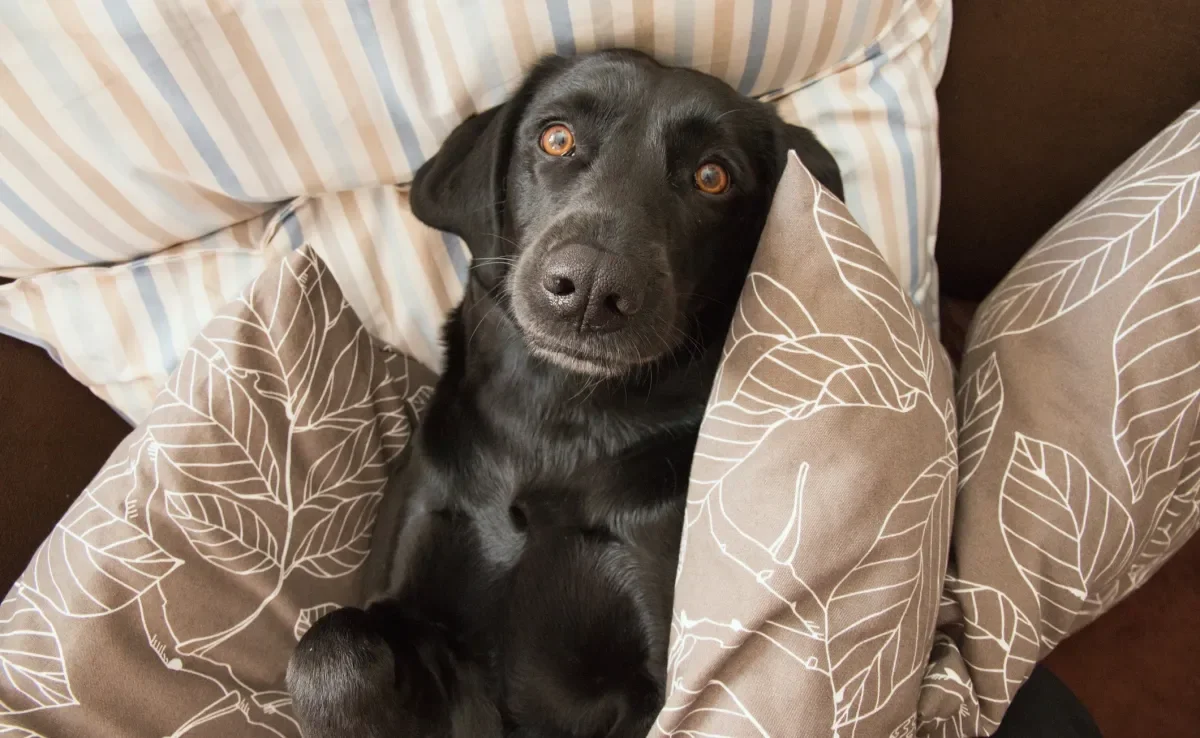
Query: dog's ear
[(815, 157), (462, 189), (459, 188)]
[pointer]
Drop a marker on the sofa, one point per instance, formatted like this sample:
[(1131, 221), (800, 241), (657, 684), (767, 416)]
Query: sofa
[(1038, 102)]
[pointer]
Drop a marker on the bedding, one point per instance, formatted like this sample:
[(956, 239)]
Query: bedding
[(169, 597), (1079, 449), (814, 586), (821, 496), (160, 155)]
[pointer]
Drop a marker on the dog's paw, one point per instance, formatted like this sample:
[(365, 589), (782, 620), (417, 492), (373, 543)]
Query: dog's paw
[(342, 678)]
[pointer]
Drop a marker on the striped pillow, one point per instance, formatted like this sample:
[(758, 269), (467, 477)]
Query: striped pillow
[(191, 142)]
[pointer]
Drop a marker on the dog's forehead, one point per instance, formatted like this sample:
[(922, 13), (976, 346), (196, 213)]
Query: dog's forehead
[(628, 84)]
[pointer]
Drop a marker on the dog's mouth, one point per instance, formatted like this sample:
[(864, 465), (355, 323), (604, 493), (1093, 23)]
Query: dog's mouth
[(580, 361)]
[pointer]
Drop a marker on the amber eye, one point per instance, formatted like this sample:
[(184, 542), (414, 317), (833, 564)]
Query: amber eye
[(557, 140), (712, 179)]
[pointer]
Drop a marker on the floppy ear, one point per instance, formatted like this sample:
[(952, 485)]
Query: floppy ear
[(463, 188), (459, 188), (815, 157)]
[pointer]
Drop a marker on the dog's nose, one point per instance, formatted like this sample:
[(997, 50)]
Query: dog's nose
[(596, 290)]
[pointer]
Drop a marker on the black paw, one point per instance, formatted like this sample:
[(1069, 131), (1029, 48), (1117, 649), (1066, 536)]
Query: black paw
[(342, 678)]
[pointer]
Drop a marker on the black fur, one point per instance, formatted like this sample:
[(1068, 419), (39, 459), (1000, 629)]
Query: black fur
[(523, 564)]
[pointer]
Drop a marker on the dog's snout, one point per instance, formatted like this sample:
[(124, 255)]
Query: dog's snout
[(595, 290)]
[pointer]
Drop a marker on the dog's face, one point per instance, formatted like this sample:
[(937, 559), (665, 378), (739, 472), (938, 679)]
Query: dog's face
[(615, 204)]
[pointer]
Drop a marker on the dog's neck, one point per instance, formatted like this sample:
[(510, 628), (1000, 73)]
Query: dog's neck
[(494, 368)]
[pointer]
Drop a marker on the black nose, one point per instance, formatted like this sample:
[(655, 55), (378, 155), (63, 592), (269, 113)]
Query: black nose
[(596, 290)]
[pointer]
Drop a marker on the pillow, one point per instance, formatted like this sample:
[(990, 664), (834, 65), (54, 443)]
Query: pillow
[(154, 306), (150, 125), (1079, 450), (168, 598), (821, 497)]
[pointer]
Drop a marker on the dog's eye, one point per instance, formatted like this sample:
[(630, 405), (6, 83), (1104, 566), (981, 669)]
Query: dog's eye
[(712, 179), (557, 140)]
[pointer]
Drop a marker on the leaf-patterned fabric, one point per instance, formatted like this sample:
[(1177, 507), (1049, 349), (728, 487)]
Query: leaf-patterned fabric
[(1079, 448), (821, 497), (168, 599)]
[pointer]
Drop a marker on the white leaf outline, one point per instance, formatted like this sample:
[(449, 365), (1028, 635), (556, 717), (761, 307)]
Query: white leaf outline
[(309, 615), (13, 731), (739, 712), (906, 729), (879, 388), (127, 561), (1092, 573), (140, 467), (1027, 299), (688, 632), (266, 468), (987, 610), (924, 599), (758, 559), (339, 542), (1139, 455), (224, 531), (785, 547), (267, 307), (419, 400), (865, 273), (850, 364), (980, 403), (1176, 519), (303, 373), (353, 463), (26, 636)]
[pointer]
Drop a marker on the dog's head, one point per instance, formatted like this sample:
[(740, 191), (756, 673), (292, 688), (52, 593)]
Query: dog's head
[(615, 202)]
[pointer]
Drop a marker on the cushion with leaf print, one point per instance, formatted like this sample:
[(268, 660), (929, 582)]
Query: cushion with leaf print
[(168, 599), (1079, 447), (821, 496)]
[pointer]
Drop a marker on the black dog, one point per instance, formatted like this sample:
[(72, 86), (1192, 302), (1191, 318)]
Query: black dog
[(523, 564)]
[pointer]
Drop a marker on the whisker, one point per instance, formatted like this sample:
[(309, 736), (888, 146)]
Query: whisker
[(698, 296), (491, 293), (503, 238), (484, 261), (731, 112), (588, 384), (596, 386), (486, 207)]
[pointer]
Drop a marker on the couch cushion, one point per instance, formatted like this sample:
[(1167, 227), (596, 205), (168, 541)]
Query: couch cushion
[(1040, 101)]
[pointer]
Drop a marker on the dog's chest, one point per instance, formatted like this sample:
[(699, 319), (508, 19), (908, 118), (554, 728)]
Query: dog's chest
[(517, 463), (531, 468), (523, 441), (603, 480)]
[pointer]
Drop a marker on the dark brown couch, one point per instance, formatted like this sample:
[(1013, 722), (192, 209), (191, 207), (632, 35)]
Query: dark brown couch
[(1041, 99)]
